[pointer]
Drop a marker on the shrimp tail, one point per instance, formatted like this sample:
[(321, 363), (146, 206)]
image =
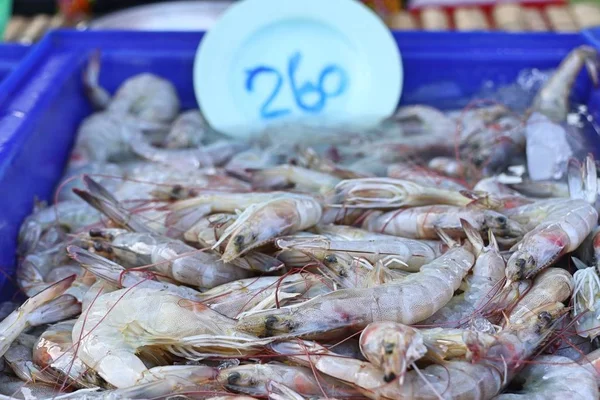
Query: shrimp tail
[(99, 198), (98, 96), (473, 235), (59, 309), (17, 321), (97, 265)]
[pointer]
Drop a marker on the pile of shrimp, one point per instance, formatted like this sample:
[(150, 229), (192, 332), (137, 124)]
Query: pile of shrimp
[(407, 262)]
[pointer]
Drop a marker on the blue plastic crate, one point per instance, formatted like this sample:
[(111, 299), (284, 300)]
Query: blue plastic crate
[(43, 102), (10, 56)]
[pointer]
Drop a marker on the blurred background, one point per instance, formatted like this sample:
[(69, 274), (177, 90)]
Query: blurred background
[(25, 21)]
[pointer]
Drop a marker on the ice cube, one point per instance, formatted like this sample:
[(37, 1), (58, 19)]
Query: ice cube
[(548, 150)]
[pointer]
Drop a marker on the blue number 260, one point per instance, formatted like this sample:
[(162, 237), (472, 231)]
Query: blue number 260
[(299, 91)]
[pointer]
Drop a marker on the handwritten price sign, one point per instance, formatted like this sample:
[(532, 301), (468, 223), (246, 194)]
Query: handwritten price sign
[(275, 62), (301, 91)]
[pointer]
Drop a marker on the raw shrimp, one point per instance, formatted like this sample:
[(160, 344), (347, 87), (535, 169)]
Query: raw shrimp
[(542, 189), (553, 284), (421, 222), (453, 167), (452, 380), (172, 257), (242, 164), (482, 284), (118, 276), (410, 300), (563, 227), (423, 176), (37, 310), (68, 215), (392, 347), (188, 158), (285, 176), (392, 193), (187, 130), (54, 352), (262, 222), (148, 97), (396, 253), (228, 299), (253, 379), (119, 323), (554, 378), (553, 98)]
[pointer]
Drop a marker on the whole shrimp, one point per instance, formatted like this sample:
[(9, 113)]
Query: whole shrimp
[(172, 257), (285, 176), (553, 98), (482, 284), (410, 300), (553, 378), (564, 226), (396, 253), (262, 222), (450, 380), (392, 193), (421, 222), (109, 340), (253, 379)]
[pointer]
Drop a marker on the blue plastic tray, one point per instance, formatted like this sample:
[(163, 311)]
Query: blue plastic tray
[(10, 56), (43, 103)]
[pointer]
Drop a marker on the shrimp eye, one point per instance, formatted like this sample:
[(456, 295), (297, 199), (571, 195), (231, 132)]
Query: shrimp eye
[(270, 321), (233, 378), (389, 377), (501, 220), (520, 263), (388, 347), (239, 240), (545, 317), (330, 259), (95, 232)]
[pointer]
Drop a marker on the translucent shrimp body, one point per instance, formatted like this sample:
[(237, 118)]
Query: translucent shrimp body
[(262, 222), (564, 227), (117, 324), (481, 285), (405, 254), (393, 193), (554, 378), (421, 222), (458, 380), (410, 300)]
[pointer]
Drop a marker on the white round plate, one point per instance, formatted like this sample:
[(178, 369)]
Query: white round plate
[(271, 62)]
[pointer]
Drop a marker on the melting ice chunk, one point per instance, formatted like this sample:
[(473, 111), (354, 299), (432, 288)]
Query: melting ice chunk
[(548, 150)]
